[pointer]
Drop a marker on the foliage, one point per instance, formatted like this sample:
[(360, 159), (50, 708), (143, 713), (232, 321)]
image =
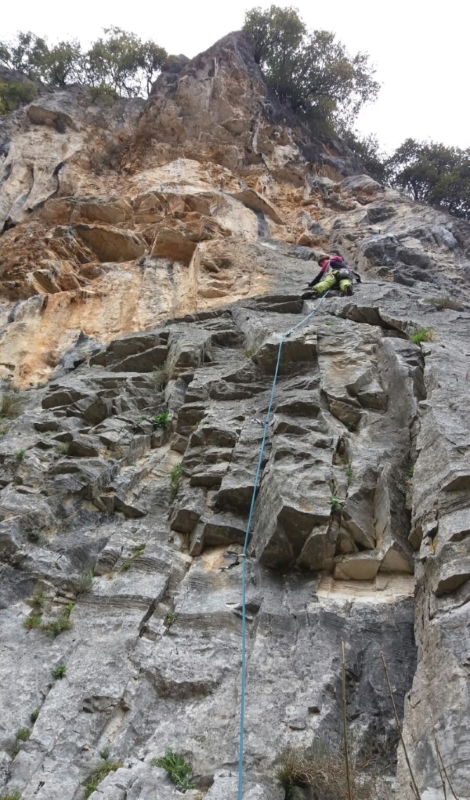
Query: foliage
[(170, 619), (336, 503), (98, 774), (14, 796), (433, 173), (349, 475), (161, 376), (179, 771), (23, 734), (19, 454), (161, 420), (310, 70), (34, 715), (441, 303), (118, 63), (14, 93), (59, 672), (33, 621), (85, 581), (322, 769), (63, 447), (123, 62), (10, 405), (138, 551), (368, 149), (104, 753), (59, 625), (423, 335), (175, 476)]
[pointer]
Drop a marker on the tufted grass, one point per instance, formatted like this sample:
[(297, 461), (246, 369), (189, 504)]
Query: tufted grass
[(423, 335), (179, 771), (98, 774), (175, 476)]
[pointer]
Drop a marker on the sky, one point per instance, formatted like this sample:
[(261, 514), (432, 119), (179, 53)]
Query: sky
[(420, 50)]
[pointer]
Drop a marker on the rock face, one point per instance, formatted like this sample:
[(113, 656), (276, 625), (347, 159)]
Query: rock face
[(152, 258)]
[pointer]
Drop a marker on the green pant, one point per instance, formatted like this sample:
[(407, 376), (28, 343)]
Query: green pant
[(330, 282)]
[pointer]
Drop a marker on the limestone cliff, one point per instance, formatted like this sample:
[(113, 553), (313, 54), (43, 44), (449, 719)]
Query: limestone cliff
[(152, 255)]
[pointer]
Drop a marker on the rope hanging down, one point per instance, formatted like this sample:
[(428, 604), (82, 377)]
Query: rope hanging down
[(245, 546)]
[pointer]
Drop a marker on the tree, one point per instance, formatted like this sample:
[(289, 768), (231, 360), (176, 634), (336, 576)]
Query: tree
[(15, 93), (123, 62), (433, 173), (367, 148), (119, 63), (311, 71)]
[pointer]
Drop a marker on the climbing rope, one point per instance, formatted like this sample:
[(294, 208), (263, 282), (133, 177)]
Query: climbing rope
[(247, 536)]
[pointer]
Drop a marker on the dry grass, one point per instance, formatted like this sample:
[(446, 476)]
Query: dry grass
[(322, 770)]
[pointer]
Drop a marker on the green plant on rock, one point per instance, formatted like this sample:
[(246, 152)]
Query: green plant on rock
[(411, 470), (441, 303), (349, 475), (98, 774), (104, 753), (85, 581), (170, 619), (161, 420), (352, 426), (138, 551), (161, 376), (250, 352), (33, 621), (14, 796), (10, 405), (23, 734), (20, 454), (335, 503), (175, 476), (63, 447), (179, 771), (34, 715), (4, 430), (62, 623), (59, 672), (423, 335)]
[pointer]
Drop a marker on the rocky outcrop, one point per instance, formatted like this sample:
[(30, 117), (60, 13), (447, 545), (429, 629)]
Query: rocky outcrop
[(148, 274)]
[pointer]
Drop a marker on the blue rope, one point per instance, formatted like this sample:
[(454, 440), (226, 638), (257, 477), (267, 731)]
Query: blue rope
[(245, 546)]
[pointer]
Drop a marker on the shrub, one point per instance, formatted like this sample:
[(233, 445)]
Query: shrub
[(161, 376), (161, 420), (179, 771), (175, 476), (98, 774), (33, 621), (20, 454), (59, 672), (103, 94), (423, 335), (170, 619), (59, 625), (14, 796), (440, 303), (23, 734), (322, 770), (63, 447), (84, 582), (104, 753), (349, 475), (10, 406), (13, 94)]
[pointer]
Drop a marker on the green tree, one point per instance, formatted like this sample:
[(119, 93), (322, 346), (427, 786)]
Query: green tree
[(28, 54), (433, 173), (123, 62), (14, 93), (63, 64), (310, 70), (367, 148)]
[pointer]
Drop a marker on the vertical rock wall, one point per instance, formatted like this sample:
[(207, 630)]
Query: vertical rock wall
[(151, 258)]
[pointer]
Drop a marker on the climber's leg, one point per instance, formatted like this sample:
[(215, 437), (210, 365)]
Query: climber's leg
[(345, 286), (324, 285)]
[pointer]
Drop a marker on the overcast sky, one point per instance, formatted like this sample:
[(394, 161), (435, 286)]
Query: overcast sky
[(420, 49)]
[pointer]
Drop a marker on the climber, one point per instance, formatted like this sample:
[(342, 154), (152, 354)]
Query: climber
[(340, 277)]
